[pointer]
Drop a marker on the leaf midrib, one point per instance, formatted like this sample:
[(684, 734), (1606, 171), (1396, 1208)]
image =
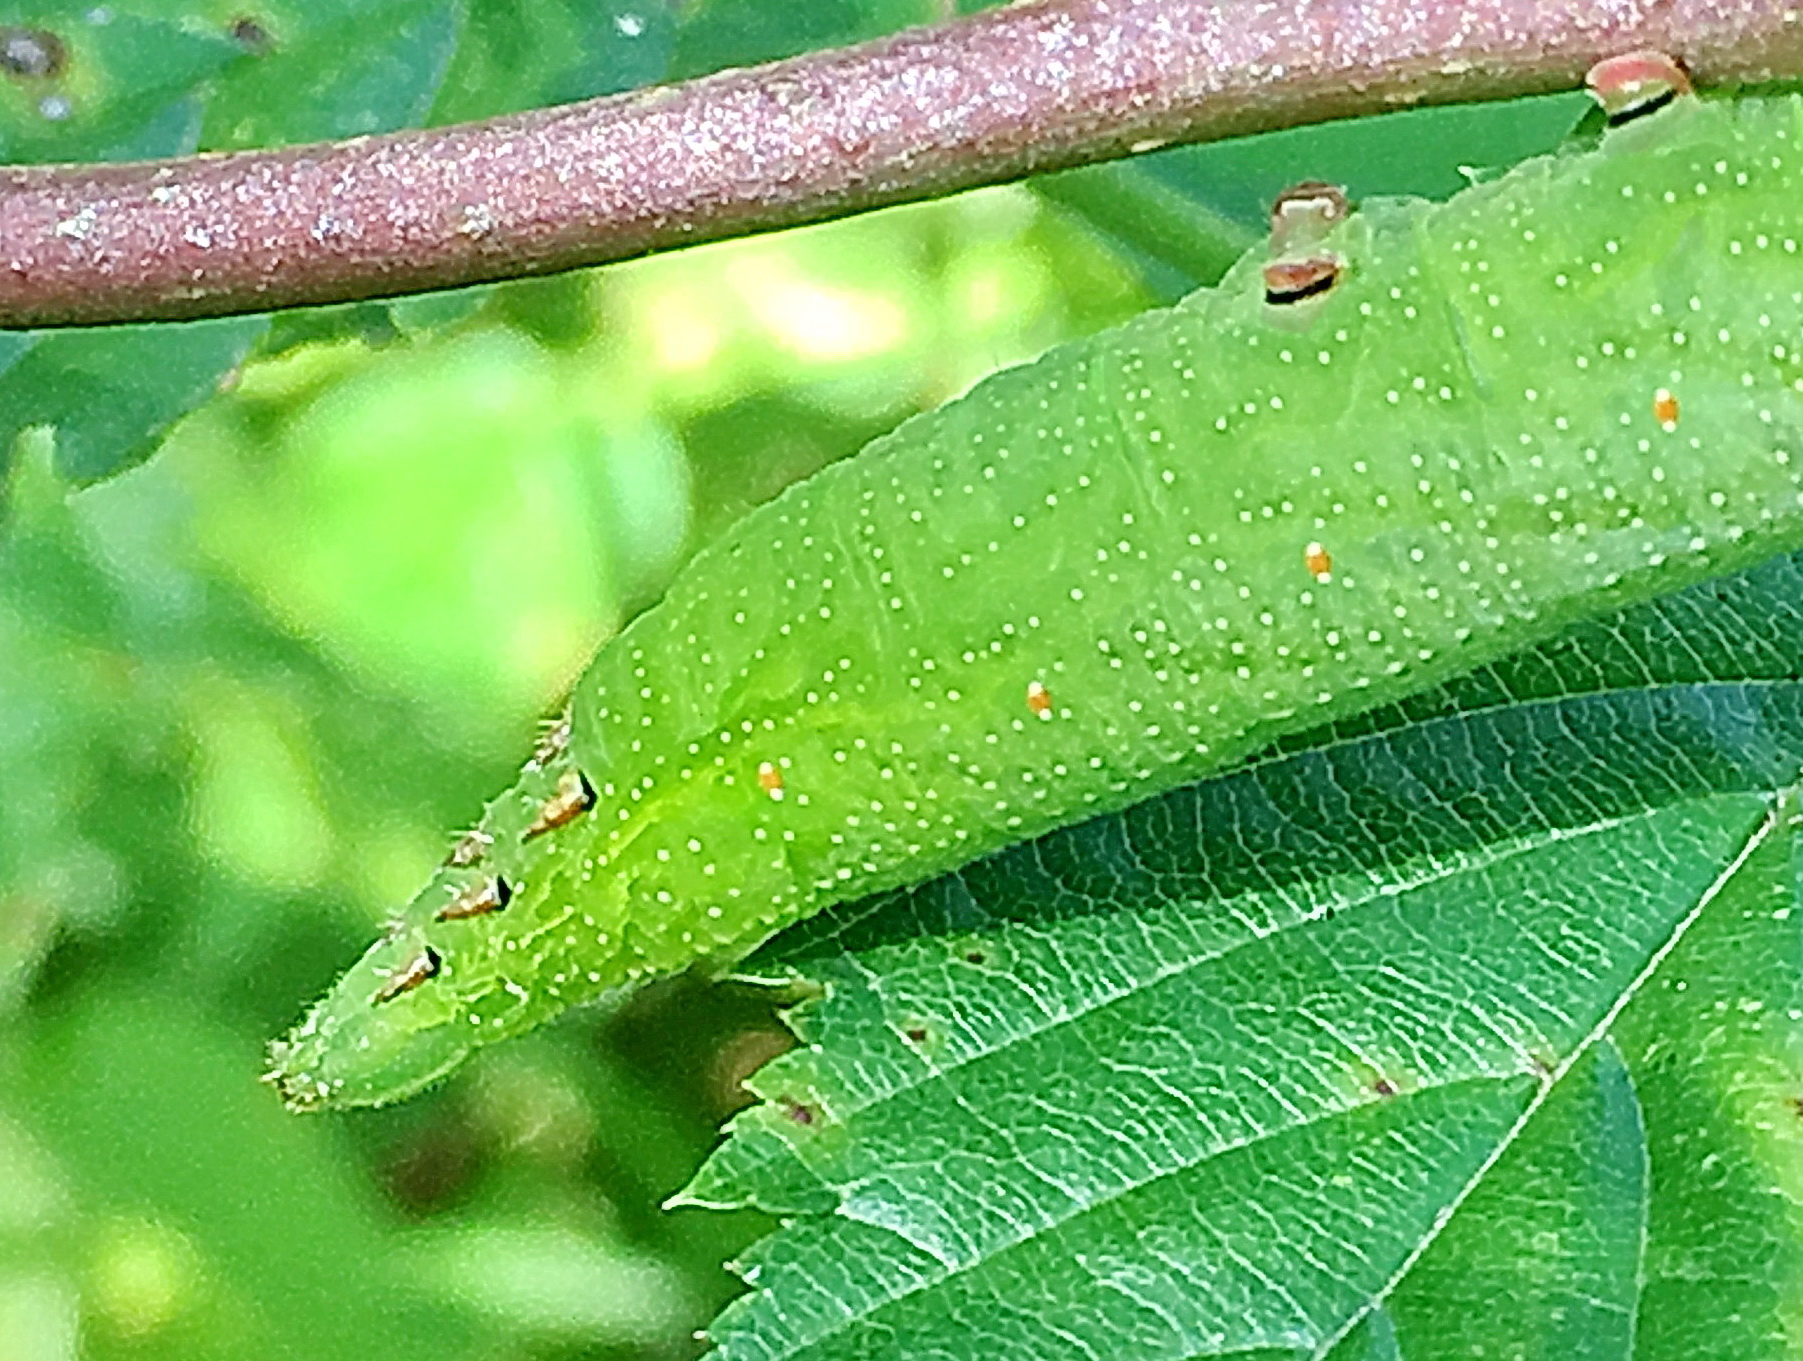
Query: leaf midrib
[(1755, 838)]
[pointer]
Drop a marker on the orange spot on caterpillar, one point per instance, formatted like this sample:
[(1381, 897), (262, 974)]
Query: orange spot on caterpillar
[(1319, 563), (1039, 699), (1288, 282), (574, 797), (478, 900), (250, 35), (770, 780), (1665, 410), (1636, 84), (422, 966)]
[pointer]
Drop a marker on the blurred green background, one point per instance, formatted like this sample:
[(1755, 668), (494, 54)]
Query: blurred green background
[(249, 689)]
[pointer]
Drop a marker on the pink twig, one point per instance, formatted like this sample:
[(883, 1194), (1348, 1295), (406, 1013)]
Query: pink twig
[(1031, 87)]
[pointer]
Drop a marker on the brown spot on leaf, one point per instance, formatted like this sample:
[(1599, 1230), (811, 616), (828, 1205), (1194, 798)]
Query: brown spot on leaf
[(800, 1112), (32, 53), (249, 34)]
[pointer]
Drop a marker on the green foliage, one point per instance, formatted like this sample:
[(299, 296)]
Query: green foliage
[(245, 688), (112, 85), (243, 691), (148, 78), (524, 55), (92, 388), (724, 33), (1479, 1031), (159, 79), (332, 68)]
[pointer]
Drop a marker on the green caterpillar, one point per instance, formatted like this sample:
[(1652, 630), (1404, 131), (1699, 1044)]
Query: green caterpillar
[(1424, 436)]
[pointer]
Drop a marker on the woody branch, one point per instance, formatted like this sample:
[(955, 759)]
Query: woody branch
[(1032, 87)]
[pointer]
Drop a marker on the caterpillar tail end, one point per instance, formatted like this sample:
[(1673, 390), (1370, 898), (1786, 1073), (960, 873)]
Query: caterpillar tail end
[(348, 1053)]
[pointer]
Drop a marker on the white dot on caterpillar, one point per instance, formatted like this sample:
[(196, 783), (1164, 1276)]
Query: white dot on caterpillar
[(770, 780)]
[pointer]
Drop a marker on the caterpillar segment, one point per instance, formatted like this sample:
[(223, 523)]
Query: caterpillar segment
[(1139, 560)]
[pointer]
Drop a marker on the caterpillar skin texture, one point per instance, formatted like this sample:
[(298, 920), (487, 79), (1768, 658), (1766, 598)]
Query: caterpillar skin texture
[(1140, 560)]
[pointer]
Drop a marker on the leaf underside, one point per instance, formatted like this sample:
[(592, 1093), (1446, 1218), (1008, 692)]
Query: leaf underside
[(1472, 1031)]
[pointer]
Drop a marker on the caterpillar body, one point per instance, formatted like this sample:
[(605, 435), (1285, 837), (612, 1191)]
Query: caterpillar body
[(1135, 562)]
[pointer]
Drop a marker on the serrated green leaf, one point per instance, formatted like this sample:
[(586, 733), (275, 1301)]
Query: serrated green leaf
[(334, 68), (987, 1191), (1186, 1133), (115, 85), (521, 55), (97, 388), (1317, 1051), (721, 33)]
